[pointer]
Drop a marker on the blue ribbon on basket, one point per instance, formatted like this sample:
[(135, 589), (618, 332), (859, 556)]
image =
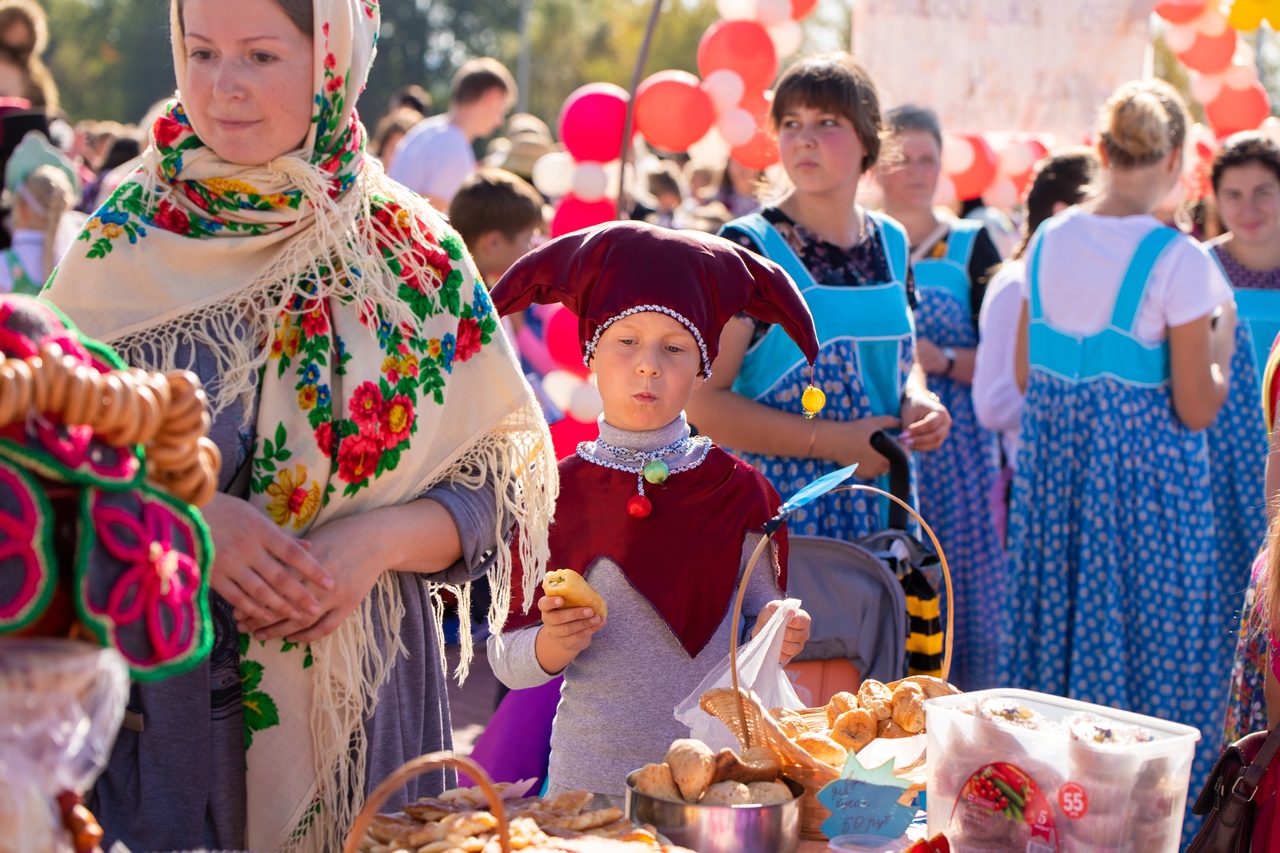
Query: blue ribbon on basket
[(813, 491)]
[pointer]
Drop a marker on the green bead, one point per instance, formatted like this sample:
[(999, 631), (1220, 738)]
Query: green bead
[(656, 471)]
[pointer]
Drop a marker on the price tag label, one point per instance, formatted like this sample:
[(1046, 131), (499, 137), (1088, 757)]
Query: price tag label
[(1074, 800)]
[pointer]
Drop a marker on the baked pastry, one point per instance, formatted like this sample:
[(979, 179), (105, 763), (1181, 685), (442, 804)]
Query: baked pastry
[(655, 780), (789, 721), (876, 698), (758, 766), (1010, 712), (768, 793), (575, 591), (693, 767), (727, 794), (908, 707), (838, 704), (823, 748), (890, 729), (855, 729)]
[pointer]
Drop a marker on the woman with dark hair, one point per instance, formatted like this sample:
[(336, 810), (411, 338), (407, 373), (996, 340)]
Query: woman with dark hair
[(378, 438), (952, 260), (1246, 187)]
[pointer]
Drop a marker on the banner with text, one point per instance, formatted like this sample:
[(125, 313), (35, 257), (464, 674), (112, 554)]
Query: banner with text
[(1003, 65)]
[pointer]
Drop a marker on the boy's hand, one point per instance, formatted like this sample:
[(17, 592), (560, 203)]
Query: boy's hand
[(797, 631), (564, 633)]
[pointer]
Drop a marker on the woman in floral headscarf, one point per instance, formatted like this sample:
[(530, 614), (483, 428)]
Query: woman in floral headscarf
[(365, 402)]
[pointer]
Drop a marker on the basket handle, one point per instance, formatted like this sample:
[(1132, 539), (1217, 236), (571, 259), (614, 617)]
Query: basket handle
[(411, 770), (755, 557)]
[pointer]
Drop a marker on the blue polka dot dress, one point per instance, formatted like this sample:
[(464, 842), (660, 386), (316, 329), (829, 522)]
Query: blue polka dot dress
[(867, 351), (955, 478), (1115, 596)]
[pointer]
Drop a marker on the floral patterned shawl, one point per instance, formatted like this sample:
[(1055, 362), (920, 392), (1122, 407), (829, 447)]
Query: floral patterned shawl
[(351, 314)]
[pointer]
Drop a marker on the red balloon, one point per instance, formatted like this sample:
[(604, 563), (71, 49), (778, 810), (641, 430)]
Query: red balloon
[(741, 46), (762, 150), (672, 111), (574, 214), (1024, 180), (566, 433), (1180, 11), (802, 8), (972, 182), (1235, 110), (1210, 54), (591, 122), (562, 342)]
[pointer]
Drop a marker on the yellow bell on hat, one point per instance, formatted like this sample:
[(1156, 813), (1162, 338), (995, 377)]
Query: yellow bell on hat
[(812, 400)]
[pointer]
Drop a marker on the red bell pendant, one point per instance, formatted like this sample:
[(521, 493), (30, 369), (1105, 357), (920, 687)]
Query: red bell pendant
[(639, 506)]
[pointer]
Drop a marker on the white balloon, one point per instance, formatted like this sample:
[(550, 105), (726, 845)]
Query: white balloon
[(590, 181), (1270, 128), (736, 10), (1206, 87), (725, 89), (773, 12), (586, 404), (957, 155), (1179, 37), (1240, 76), (1016, 158), (787, 37), (1002, 194), (559, 386), (553, 174), (945, 193), (1212, 23), (737, 126)]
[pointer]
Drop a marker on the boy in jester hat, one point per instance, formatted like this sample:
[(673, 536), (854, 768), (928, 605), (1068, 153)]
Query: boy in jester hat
[(661, 523)]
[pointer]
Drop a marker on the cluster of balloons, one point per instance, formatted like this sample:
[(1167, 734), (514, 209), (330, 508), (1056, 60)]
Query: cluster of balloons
[(995, 167), (591, 126), (568, 384), (1224, 75), (738, 58)]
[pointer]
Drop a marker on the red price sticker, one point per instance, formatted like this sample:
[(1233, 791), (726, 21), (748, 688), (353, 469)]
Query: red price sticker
[(1074, 800)]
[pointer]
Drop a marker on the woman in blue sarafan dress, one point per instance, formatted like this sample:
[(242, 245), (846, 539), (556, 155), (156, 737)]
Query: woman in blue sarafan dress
[(1246, 184), (852, 267), (1115, 593), (952, 260)]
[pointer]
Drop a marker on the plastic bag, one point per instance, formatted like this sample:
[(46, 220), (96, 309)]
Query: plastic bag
[(61, 705), (758, 671)]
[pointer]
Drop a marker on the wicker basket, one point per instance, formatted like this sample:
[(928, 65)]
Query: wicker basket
[(740, 710)]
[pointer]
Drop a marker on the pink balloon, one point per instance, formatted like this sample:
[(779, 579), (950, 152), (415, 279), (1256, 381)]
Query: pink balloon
[(672, 110), (574, 214), (591, 122), (1210, 54), (563, 343), (741, 46)]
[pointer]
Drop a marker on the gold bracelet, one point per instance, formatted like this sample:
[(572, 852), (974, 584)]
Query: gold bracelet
[(813, 436)]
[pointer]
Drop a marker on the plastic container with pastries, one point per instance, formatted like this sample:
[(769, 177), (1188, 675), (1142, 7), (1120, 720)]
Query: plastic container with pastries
[(1013, 770)]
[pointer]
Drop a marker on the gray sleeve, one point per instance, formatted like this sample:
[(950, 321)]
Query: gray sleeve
[(762, 587), (515, 661), (475, 513)]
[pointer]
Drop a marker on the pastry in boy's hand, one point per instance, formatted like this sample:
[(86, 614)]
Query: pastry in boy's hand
[(908, 707), (575, 591), (655, 780), (855, 729), (693, 766), (877, 698)]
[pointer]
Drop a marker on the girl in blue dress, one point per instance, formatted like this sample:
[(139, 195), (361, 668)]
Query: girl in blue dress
[(1124, 348), (1246, 184), (852, 266), (952, 260)]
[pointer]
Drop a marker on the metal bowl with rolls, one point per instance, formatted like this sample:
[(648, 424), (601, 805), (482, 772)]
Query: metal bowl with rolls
[(752, 828)]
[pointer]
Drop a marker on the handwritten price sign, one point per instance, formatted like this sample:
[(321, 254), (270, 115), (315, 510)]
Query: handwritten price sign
[(867, 802)]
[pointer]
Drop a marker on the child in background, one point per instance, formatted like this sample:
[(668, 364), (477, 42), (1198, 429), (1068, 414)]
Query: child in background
[(664, 186), (661, 523), (43, 191), (498, 215)]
